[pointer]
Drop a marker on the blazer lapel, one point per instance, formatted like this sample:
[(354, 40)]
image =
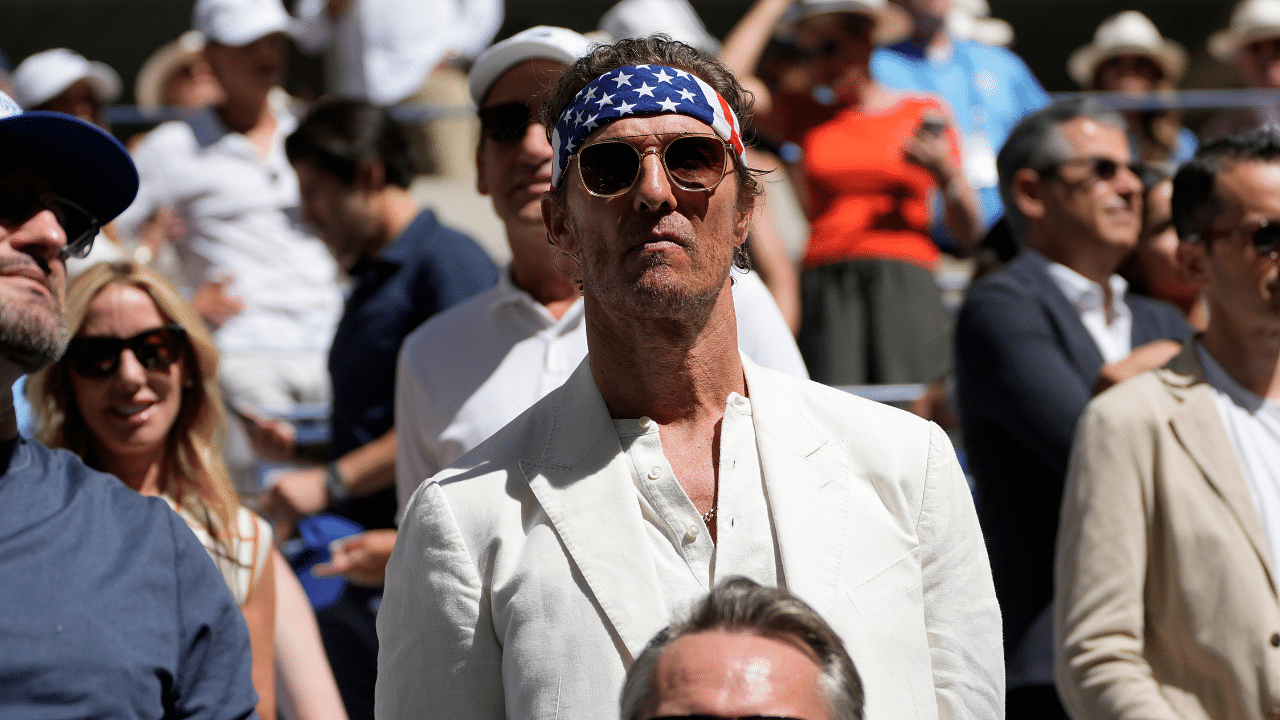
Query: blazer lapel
[(1072, 335), (806, 477), (1198, 426), (583, 482)]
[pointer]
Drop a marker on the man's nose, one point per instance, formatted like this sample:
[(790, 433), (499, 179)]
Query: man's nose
[(40, 236), (653, 187), (534, 145)]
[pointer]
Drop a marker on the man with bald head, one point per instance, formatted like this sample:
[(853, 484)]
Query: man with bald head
[(531, 572)]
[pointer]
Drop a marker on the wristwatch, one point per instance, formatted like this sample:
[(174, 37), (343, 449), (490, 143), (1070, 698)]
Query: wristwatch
[(333, 483)]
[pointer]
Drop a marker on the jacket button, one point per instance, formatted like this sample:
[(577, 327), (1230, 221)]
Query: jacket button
[(1275, 640)]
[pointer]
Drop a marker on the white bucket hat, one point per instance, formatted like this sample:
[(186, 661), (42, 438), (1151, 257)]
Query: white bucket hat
[(542, 42), (240, 22), (1252, 20), (1127, 33), (41, 77), (675, 18), (892, 22)]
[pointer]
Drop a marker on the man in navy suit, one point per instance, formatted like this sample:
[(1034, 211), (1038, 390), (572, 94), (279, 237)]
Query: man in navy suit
[(1035, 341)]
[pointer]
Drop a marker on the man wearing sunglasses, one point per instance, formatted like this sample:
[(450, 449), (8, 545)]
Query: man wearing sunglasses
[(528, 575), (1035, 341), (109, 605), (469, 371), (1165, 594), (745, 652)]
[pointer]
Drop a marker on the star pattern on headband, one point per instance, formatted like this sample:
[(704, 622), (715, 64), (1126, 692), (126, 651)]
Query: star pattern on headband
[(640, 90)]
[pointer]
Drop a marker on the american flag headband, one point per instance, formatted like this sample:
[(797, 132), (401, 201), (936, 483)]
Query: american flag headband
[(639, 90)]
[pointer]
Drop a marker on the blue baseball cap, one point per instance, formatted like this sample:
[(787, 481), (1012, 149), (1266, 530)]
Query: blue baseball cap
[(81, 161)]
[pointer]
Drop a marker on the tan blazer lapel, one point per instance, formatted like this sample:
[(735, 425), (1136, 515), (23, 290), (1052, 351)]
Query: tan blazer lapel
[(806, 476), (1198, 426), (582, 481)]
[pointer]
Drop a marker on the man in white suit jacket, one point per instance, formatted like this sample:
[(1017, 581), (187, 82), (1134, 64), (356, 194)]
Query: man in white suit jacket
[(528, 575)]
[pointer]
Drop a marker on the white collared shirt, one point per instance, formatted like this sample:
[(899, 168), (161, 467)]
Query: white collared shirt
[(243, 221), (689, 564), (474, 367), (1109, 324)]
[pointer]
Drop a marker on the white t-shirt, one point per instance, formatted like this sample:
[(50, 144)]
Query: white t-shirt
[(1253, 424)]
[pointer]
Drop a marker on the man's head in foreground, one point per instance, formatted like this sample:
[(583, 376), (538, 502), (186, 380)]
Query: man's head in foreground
[(60, 179), (1226, 208), (1068, 187), (651, 199), (746, 651)]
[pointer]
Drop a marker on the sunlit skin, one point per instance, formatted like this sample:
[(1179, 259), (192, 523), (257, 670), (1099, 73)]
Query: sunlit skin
[(1242, 286), (129, 413), (731, 674), (1155, 260), (192, 85), (1128, 74)]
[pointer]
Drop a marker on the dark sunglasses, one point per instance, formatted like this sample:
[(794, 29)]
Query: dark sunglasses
[(692, 162), (19, 201), (1099, 167), (1265, 236), (98, 356), (505, 122)]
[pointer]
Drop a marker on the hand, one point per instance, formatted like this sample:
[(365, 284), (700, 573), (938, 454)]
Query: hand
[(928, 148), (271, 438), (213, 302), (1143, 358), (296, 493), (360, 559)]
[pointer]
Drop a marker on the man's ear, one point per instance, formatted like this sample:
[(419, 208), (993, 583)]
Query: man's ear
[(1028, 193), (556, 221), (743, 227), (1193, 258), (371, 176)]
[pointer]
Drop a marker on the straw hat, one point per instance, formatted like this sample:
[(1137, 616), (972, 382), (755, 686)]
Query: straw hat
[(971, 19), (1127, 33), (892, 22), (162, 63), (1252, 20)]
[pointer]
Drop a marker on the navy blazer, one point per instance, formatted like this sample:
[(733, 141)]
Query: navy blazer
[(1025, 369)]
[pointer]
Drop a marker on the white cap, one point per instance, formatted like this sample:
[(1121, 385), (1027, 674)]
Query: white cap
[(542, 42), (892, 22), (1127, 33), (240, 22), (674, 18), (43, 76), (1251, 21)]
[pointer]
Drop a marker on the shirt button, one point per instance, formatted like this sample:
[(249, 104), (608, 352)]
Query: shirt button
[(645, 421), (1275, 640), (691, 533), (655, 472)]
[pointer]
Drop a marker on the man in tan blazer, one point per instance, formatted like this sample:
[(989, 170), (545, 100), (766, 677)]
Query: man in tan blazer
[(1166, 588), (529, 574)]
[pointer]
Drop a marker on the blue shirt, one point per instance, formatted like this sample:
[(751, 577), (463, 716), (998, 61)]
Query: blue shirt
[(428, 268), (109, 605), (988, 88)]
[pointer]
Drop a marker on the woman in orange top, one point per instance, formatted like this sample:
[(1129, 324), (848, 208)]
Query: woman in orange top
[(872, 159)]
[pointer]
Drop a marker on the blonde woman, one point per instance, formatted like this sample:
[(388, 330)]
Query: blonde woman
[(136, 395)]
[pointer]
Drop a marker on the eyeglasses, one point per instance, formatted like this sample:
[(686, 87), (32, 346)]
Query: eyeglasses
[(99, 357), (609, 168), (505, 122), (1264, 235), (19, 201), (1101, 168)]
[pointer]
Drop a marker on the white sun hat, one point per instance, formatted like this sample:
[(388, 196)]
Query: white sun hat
[(892, 22), (674, 18), (42, 76), (1251, 21), (1127, 33)]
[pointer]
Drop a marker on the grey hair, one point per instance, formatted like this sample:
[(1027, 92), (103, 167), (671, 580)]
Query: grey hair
[(742, 605), (1037, 143), (1195, 197)]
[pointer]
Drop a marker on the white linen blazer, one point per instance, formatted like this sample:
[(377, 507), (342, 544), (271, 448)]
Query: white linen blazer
[(522, 586)]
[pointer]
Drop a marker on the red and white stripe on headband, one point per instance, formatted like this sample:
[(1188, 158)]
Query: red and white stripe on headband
[(640, 90)]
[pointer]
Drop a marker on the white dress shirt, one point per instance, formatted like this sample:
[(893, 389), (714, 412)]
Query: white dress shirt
[(474, 367), (243, 222), (1110, 324)]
